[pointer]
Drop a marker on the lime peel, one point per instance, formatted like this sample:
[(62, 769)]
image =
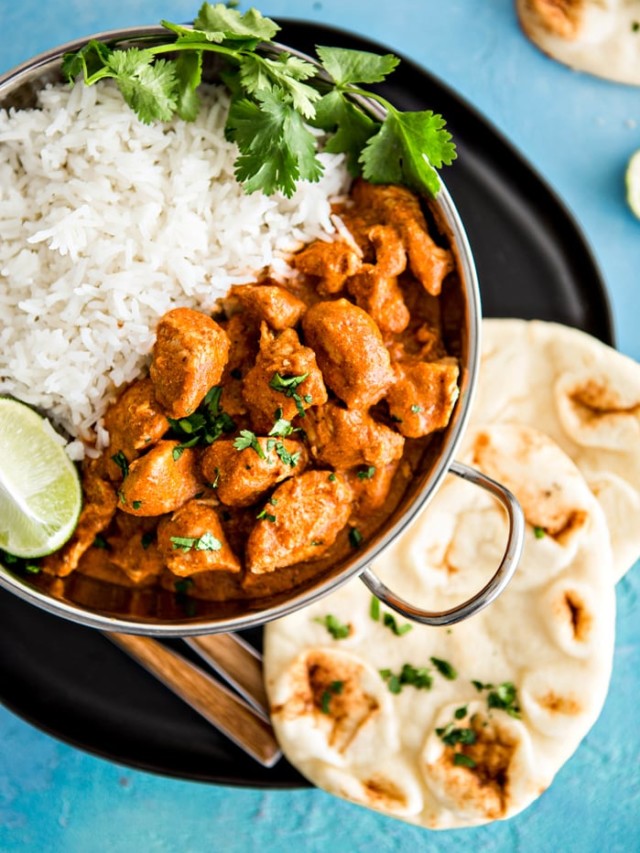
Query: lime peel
[(40, 492)]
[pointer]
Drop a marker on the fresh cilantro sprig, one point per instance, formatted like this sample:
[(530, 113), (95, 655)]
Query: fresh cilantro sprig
[(206, 542), (274, 100)]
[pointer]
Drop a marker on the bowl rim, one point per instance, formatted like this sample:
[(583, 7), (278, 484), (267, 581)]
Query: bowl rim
[(48, 60)]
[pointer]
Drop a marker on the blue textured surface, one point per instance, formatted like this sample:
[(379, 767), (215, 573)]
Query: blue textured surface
[(578, 132)]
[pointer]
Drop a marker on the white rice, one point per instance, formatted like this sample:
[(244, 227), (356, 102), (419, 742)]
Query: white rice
[(106, 223)]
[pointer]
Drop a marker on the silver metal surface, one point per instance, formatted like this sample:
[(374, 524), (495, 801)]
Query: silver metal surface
[(15, 87), (491, 590)]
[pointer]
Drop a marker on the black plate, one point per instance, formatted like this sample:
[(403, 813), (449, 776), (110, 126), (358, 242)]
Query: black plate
[(532, 262)]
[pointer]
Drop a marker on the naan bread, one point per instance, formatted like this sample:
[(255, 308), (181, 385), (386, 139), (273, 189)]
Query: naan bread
[(545, 646), (601, 37), (581, 393)]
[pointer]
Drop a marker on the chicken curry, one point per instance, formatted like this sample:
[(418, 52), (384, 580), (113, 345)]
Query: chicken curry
[(274, 437)]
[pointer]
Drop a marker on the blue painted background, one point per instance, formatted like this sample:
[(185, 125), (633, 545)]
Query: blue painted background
[(578, 132)]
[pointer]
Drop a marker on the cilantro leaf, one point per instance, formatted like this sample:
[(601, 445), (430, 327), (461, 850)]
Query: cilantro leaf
[(150, 90), (350, 127), (89, 60), (287, 72), (276, 148), (206, 542), (248, 439), (408, 149), (189, 35), (219, 18), (338, 630), (188, 77), (355, 66)]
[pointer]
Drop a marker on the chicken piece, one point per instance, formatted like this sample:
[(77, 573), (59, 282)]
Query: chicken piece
[(331, 263), (133, 548), (193, 540), (350, 352), (269, 302), (98, 508), (423, 396), (375, 288), (344, 438), (158, 483), (135, 422), (188, 358), (398, 206), (371, 488), (285, 357), (241, 477), (243, 332), (309, 512)]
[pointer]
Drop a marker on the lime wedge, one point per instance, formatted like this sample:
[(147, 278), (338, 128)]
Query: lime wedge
[(632, 179), (40, 494)]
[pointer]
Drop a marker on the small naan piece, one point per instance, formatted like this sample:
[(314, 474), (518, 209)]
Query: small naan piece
[(597, 36), (581, 393), (475, 720)]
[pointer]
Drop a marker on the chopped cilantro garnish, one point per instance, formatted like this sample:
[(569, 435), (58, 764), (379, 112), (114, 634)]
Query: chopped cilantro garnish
[(480, 686), (121, 461), (100, 542), (390, 622), (366, 473), (204, 426), (415, 409), (267, 516), (462, 760), (418, 677), (282, 427), (183, 585), (452, 735), (287, 385), (290, 459), (206, 542), (444, 668), (337, 629), (460, 713), (505, 698), (374, 608), (19, 563), (355, 537), (136, 504), (248, 439), (332, 477), (539, 532), (32, 568), (335, 688)]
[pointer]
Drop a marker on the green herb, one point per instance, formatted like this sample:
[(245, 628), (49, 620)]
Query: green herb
[(282, 427), (32, 568), (335, 688), (121, 496), (291, 459), (216, 479), (415, 409), (480, 686), (183, 586), (204, 426), (273, 99), (9, 559), (337, 629), (374, 608), (505, 698), (266, 515), (462, 760), (451, 735), (287, 385), (248, 439), (635, 26), (206, 542), (332, 477), (444, 668), (460, 713), (389, 621), (19, 563), (355, 537), (315, 543), (100, 542), (121, 461), (366, 473), (418, 677), (136, 504), (539, 532), (147, 539)]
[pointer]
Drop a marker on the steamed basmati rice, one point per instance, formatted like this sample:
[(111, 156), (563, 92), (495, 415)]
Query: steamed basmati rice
[(106, 223)]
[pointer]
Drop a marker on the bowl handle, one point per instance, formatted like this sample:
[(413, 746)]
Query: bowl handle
[(492, 589)]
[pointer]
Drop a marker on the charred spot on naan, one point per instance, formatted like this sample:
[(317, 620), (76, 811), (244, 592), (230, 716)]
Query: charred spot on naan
[(329, 687), (560, 18), (596, 412), (558, 704)]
